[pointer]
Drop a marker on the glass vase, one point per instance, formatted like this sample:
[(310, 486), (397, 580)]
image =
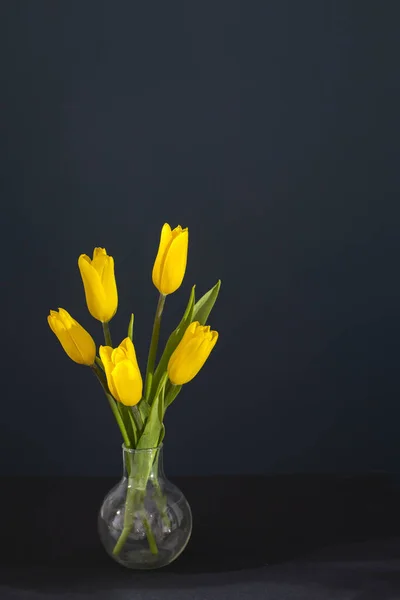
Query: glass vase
[(145, 521)]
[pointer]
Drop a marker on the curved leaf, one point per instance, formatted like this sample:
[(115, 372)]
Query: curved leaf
[(203, 307), (153, 427), (171, 395), (174, 340), (130, 328)]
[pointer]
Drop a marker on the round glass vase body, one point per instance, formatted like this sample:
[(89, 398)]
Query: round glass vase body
[(145, 521)]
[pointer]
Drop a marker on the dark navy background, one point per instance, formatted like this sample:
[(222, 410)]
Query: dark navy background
[(270, 129)]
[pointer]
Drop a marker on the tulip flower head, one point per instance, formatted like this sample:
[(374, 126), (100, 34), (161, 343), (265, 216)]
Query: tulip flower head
[(99, 283), (191, 353), (75, 340), (122, 372), (170, 264)]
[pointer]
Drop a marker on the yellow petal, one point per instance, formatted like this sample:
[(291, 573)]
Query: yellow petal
[(176, 231), (66, 318), (84, 343), (99, 252), (191, 353), (186, 363), (130, 350), (94, 291), (188, 337), (174, 267), (128, 383), (51, 321), (99, 260), (105, 355), (190, 332), (110, 287), (118, 354), (69, 346), (165, 241), (76, 341), (185, 352)]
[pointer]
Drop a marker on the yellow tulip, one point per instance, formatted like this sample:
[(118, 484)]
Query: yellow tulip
[(99, 283), (75, 340), (122, 372), (191, 353), (170, 264)]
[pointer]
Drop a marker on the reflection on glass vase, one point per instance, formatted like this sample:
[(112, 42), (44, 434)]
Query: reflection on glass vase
[(145, 521)]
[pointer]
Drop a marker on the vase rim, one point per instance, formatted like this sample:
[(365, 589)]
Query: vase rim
[(137, 450)]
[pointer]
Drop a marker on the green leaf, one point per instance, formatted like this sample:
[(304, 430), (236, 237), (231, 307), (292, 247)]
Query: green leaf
[(137, 418), (203, 307), (144, 408), (174, 340), (162, 434), (129, 422), (152, 430), (130, 328), (171, 395)]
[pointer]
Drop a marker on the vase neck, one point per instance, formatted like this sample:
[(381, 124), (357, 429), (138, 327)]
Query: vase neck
[(138, 461)]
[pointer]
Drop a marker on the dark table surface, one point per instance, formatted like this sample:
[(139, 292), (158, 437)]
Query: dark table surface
[(274, 537)]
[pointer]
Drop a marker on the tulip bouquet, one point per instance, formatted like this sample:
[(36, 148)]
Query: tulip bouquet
[(138, 408)]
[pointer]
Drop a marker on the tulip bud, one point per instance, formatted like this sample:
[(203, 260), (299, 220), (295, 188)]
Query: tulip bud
[(99, 283), (170, 264), (75, 340), (122, 372), (191, 353)]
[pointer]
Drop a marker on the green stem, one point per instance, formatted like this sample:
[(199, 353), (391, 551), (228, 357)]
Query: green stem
[(150, 535), (107, 334), (159, 497), (151, 540), (100, 376), (122, 540), (153, 346), (137, 417), (129, 517), (161, 505), (99, 363), (132, 495), (130, 424)]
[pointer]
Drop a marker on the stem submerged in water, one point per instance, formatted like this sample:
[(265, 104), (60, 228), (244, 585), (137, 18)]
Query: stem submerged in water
[(158, 494), (129, 517), (150, 536), (135, 498)]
